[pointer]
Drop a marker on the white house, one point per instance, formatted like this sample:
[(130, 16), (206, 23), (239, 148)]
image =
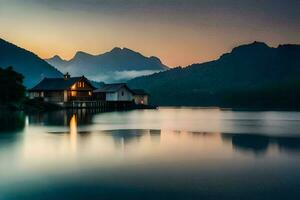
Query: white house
[(114, 92)]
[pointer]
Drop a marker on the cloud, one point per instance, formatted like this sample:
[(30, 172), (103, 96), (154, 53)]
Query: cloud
[(121, 76), (133, 73)]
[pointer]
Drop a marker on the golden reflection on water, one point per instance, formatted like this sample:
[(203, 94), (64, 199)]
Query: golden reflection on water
[(73, 132), (169, 149), (157, 137)]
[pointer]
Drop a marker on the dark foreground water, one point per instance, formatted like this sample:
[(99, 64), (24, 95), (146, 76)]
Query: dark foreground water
[(169, 153)]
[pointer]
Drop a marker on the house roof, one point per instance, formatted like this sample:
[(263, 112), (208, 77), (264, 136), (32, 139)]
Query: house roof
[(56, 83), (139, 92), (112, 87)]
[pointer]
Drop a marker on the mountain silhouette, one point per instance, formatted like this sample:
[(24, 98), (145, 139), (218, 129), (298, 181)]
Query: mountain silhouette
[(25, 62), (250, 75), (115, 65)]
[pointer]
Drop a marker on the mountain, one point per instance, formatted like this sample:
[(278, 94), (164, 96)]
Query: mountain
[(30, 65), (251, 75), (115, 65)]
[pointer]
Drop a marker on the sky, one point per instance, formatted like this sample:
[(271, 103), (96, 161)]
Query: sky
[(179, 32)]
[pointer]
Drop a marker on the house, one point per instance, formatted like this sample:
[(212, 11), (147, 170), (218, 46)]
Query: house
[(140, 97), (78, 92), (60, 90), (117, 92)]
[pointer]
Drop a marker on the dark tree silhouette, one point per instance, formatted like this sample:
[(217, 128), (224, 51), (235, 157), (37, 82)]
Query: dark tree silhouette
[(12, 90)]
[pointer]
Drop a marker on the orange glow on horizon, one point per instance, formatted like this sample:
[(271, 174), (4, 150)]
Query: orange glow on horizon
[(180, 34)]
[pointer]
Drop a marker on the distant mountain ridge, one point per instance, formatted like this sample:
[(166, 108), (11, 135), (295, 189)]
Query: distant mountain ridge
[(110, 66), (250, 75), (25, 62)]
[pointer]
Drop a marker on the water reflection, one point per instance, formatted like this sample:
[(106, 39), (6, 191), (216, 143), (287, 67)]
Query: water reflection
[(73, 132), (247, 142), (10, 125), (161, 154), (201, 134), (155, 136), (63, 117), (260, 144), (124, 138), (11, 122), (289, 144)]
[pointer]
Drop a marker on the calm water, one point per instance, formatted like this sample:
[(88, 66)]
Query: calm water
[(169, 153)]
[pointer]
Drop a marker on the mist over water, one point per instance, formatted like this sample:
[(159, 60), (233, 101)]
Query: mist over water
[(168, 153)]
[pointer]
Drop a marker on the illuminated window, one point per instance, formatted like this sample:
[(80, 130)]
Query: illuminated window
[(80, 84), (90, 93), (73, 93)]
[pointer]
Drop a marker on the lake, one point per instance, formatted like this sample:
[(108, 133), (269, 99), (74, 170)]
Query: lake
[(168, 153)]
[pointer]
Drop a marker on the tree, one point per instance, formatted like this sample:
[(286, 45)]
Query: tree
[(12, 90)]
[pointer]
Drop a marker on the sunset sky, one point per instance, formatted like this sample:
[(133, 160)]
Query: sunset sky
[(179, 32)]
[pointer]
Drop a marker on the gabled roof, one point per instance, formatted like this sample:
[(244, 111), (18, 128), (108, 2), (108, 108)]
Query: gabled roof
[(55, 84), (112, 87), (139, 92)]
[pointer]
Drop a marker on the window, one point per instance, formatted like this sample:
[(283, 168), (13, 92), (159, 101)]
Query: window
[(122, 93), (80, 84), (73, 93)]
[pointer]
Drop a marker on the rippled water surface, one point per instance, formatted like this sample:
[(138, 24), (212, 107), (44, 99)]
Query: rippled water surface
[(168, 153)]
